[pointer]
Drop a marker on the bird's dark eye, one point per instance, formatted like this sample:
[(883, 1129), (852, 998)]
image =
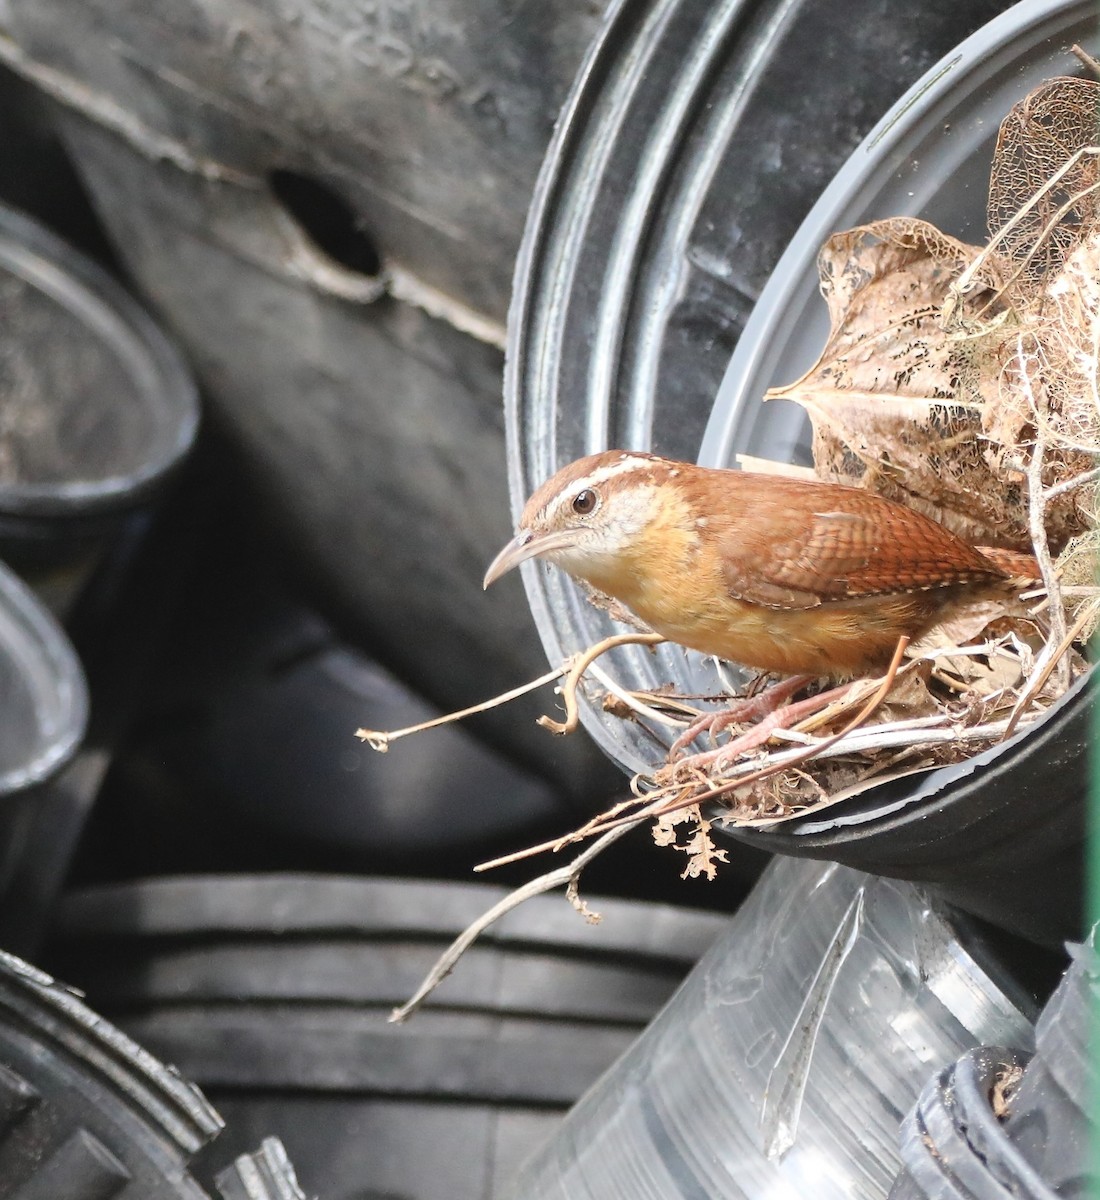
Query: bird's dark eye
[(584, 502)]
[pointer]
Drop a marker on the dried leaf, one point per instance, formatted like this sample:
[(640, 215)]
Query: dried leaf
[(1037, 138), (897, 405), (962, 627), (703, 855), (921, 392)]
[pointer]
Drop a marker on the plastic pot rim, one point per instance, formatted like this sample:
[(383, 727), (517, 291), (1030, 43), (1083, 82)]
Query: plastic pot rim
[(932, 788), (56, 677), (160, 377)]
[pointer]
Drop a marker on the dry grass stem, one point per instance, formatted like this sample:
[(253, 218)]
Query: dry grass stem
[(1085, 57), (1054, 654), (635, 701), (380, 740), (970, 278), (567, 876), (580, 664), (573, 669)]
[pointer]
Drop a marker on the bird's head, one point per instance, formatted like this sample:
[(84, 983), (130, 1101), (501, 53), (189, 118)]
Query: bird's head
[(593, 518)]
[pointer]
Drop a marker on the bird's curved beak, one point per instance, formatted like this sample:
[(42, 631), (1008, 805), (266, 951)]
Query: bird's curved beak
[(526, 545)]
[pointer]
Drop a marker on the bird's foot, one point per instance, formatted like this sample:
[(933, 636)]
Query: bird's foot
[(755, 708), (768, 723)]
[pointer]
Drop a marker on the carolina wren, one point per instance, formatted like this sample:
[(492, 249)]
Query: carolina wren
[(782, 575)]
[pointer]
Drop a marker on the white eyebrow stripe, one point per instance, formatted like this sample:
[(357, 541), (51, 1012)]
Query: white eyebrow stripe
[(603, 474)]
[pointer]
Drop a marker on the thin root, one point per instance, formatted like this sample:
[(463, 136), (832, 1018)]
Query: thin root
[(380, 741), (567, 876), (577, 667)]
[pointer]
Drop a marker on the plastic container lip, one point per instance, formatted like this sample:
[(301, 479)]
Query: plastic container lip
[(159, 376), (33, 646), (617, 144), (953, 1144), (779, 1067)]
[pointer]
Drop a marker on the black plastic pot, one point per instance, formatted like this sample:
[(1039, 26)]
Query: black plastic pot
[(266, 1174), (614, 256), (273, 992), (1052, 1117), (90, 1115), (1002, 835), (45, 701), (98, 406), (1035, 1141), (329, 223), (425, 128), (43, 715), (953, 1144)]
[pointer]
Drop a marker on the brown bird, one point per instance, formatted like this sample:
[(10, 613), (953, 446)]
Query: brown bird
[(782, 575)]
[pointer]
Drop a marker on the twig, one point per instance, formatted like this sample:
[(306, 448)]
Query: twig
[(1068, 485), (1089, 62), (883, 729), (380, 741), (565, 876), (580, 664), (555, 844), (888, 737), (573, 668), (1066, 207), (632, 699), (798, 756), (966, 281)]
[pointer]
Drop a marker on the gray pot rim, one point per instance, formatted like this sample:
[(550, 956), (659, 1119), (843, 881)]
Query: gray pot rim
[(39, 647), (160, 376)]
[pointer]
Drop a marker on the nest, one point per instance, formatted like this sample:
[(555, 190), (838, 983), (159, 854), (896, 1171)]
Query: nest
[(963, 381)]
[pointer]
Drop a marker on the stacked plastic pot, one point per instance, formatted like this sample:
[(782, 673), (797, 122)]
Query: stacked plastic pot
[(98, 410)]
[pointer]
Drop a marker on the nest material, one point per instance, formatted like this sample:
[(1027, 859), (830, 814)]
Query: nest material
[(948, 362), (965, 382)]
